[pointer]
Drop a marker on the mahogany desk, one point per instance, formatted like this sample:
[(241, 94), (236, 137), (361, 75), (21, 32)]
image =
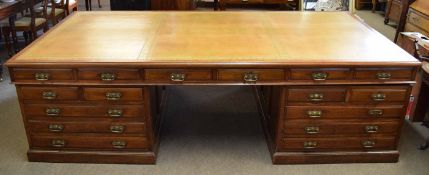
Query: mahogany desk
[(330, 88)]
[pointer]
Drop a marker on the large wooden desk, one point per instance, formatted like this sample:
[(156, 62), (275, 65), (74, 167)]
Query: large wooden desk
[(330, 89)]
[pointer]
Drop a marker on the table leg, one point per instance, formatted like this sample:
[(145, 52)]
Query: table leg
[(88, 5), (13, 31), (216, 5)]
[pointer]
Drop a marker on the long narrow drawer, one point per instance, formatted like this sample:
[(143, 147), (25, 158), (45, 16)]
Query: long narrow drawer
[(320, 74), (343, 112), (42, 75), (337, 144), (89, 142), (113, 94), (305, 128), (177, 75), (83, 111), (99, 126), (418, 19), (109, 75), (251, 75), (316, 94), (384, 74), (379, 94), (49, 93)]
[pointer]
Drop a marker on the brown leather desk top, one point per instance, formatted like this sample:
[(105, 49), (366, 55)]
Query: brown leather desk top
[(212, 38)]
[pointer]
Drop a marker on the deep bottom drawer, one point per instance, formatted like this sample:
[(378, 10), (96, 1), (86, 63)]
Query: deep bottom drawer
[(89, 142)]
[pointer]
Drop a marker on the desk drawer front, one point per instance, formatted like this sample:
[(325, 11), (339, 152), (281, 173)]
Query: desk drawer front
[(294, 128), (242, 1), (418, 20), (320, 74), (316, 94), (100, 126), (109, 75), (43, 75), (89, 142), (251, 75), (379, 94), (384, 74), (63, 110), (178, 75), (343, 112), (113, 94), (337, 144), (49, 93)]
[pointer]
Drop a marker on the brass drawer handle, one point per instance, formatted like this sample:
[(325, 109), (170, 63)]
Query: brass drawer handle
[(56, 127), (53, 112), (378, 97), (244, 0), (250, 77), (113, 96), (315, 97), (107, 76), (310, 144), (371, 129), (119, 144), (319, 76), (49, 95), (117, 128), (115, 112), (312, 130), (375, 112), (415, 19), (383, 75), (368, 143), (177, 76), (58, 143), (314, 113), (40, 76)]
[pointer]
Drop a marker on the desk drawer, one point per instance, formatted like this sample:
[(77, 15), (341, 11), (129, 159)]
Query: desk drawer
[(338, 144), (251, 75), (316, 94), (242, 1), (113, 94), (379, 94), (99, 126), (89, 142), (279, 1), (109, 75), (384, 74), (320, 74), (418, 20), (42, 75), (343, 112), (177, 75), (305, 128), (49, 93), (74, 110)]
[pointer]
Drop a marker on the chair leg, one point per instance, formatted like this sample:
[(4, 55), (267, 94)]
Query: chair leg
[(99, 4), (25, 34), (374, 4), (7, 42)]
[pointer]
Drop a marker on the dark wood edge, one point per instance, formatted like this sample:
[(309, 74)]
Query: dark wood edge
[(336, 157), (120, 157)]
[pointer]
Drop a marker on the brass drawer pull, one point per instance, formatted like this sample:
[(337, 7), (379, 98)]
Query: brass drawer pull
[(53, 112), (314, 113), (250, 77), (375, 112), (383, 75), (244, 0), (416, 20), (117, 128), (119, 144), (40, 76), (378, 97), (310, 144), (319, 76), (315, 97), (115, 112), (49, 95), (371, 129), (368, 144), (312, 130), (107, 76), (58, 143), (177, 76), (113, 96), (56, 127)]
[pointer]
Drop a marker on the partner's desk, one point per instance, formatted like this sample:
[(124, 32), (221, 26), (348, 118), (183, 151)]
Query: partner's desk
[(330, 88)]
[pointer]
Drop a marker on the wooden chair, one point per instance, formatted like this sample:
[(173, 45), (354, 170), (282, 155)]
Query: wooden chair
[(28, 24), (56, 10)]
